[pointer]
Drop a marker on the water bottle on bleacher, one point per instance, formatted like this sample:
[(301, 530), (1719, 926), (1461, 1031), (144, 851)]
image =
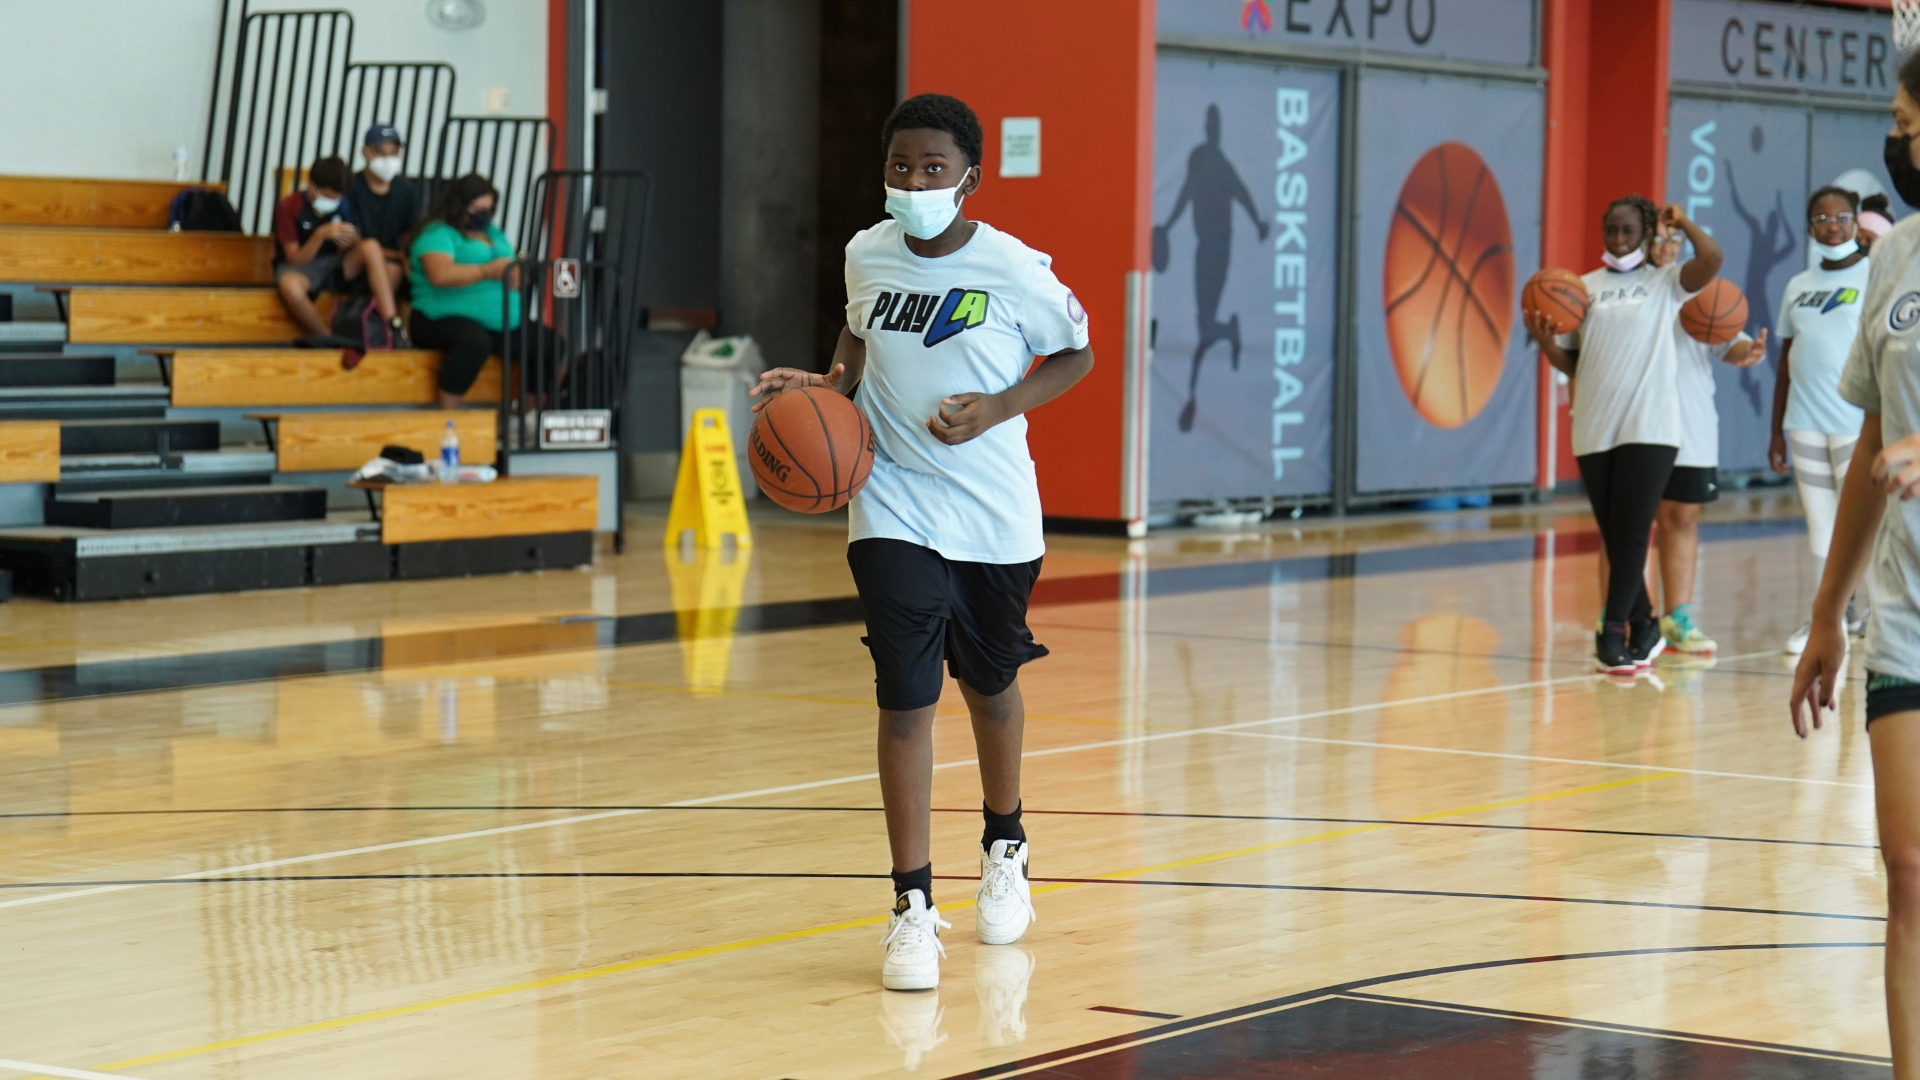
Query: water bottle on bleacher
[(450, 455)]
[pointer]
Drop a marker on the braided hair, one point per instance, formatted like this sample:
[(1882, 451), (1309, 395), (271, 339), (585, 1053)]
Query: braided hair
[(1641, 205)]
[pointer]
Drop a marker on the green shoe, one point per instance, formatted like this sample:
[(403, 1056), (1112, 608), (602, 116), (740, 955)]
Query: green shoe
[(1682, 635)]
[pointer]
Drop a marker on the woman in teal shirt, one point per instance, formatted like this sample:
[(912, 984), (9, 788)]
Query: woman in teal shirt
[(461, 268)]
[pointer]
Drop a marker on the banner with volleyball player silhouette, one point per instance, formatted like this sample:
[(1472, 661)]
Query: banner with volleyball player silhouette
[(1449, 177), (1246, 200)]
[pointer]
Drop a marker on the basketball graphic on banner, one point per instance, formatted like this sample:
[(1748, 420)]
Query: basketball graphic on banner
[(1449, 285)]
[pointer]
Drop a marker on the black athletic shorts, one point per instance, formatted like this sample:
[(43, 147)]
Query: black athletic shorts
[(922, 607), (1692, 484), (1887, 694)]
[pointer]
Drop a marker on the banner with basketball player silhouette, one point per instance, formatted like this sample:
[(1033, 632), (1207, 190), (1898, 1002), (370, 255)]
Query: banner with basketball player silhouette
[(1449, 177), (1742, 171), (1246, 200)]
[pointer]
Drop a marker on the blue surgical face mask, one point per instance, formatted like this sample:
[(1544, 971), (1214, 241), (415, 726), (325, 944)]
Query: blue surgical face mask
[(924, 214)]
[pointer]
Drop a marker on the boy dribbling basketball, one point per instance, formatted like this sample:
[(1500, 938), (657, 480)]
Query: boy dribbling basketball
[(944, 318)]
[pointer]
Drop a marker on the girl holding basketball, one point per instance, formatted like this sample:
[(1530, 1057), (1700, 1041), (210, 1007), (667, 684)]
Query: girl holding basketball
[(1626, 409), (1876, 539), (1813, 426)]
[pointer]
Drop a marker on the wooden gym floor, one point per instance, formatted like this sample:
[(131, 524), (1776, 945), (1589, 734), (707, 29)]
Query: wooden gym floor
[(1342, 800)]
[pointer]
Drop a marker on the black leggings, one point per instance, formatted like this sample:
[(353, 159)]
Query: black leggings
[(463, 344), (1624, 485)]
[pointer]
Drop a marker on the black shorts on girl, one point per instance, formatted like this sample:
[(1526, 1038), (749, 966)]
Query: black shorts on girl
[(923, 607), (1888, 694)]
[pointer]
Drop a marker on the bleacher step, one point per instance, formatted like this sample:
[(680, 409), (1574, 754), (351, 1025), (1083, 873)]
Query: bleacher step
[(59, 370), (165, 508), (200, 468), (138, 435)]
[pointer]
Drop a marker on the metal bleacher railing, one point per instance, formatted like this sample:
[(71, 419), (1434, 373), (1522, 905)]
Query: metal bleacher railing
[(287, 92)]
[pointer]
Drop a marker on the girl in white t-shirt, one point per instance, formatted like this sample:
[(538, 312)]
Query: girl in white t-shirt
[(1626, 409), (1812, 424)]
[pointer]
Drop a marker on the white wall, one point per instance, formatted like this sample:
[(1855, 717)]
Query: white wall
[(108, 88)]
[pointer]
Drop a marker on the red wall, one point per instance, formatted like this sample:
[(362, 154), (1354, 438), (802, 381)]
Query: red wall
[(1087, 71), (1606, 137)]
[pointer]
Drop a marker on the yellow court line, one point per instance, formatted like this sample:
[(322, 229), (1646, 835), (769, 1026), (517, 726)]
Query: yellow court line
[(790, 935)]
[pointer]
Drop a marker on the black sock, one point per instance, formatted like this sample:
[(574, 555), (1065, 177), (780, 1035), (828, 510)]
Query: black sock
[(1001, 826), (921, 879)]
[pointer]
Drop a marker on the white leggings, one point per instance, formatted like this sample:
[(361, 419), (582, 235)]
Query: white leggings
[(1820, 466)]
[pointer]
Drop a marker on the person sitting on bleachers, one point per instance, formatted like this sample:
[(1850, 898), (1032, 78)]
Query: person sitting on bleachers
[(461, 266), (386, 205), (318, 248)]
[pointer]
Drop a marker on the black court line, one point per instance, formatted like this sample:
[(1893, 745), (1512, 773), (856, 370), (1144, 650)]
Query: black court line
[(107, 678), (1133, 1012), (948, 810), (1428, 1003), (1190, 1023), (661, 875)]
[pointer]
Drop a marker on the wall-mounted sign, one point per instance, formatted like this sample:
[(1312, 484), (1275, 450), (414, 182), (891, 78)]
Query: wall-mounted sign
[(1782, 46), (1495, 31), (1019, 146), (576, 429), (566, 279)]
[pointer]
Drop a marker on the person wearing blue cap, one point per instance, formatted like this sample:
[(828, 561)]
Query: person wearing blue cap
[(386, 205)]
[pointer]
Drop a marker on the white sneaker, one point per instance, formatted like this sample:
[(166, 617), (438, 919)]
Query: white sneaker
[(1797, 641), (1004, 901), (913, 944), (912, 1023), (1000, 978)]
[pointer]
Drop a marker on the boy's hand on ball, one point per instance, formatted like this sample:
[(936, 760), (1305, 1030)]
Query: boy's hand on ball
[(1756, 351), (776, 380), (1540, 326), (971, 414)]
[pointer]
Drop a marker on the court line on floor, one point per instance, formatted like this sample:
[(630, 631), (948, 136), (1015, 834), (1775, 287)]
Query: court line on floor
[(1031, 810), (745, 875), (1180, 733), (1536, 757), (56, 1070), (1195, 1023), (624, 966)]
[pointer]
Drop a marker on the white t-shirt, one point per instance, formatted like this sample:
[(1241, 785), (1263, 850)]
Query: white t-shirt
[(1883, 376), (1820, 314), (1623, 388), (969, 322), (1693, 381)]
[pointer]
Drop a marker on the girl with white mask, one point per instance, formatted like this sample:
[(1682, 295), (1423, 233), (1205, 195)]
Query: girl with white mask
[(1813, 426)]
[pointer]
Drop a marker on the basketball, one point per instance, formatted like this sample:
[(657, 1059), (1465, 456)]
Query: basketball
[(1717, 314), (811, 449), (1449, 285), (1560, 295)]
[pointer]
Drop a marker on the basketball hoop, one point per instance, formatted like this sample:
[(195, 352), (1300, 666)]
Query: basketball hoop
[(1906, 25)]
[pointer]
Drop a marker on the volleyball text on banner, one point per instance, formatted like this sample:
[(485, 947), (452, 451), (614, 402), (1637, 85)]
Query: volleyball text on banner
[(706, 497)]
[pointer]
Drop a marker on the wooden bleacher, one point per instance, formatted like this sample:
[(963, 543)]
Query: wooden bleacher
[(29, 451), (107, 204), (272, 377), (203, 303), (510, 506), (337, 441), (39, 254), (104, 315)]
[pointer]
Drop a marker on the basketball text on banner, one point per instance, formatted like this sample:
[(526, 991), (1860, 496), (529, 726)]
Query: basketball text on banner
[(706, 603), (707, 499)]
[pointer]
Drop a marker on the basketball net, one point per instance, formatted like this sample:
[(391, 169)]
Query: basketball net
[(1906, 25)]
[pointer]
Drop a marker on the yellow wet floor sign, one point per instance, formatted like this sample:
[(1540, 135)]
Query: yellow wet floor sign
[(707, 499)]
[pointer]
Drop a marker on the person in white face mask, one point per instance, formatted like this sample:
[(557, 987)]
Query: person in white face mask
[(318, 247), (944, 319), (386, 204), (1814, 428), (1626, 406)]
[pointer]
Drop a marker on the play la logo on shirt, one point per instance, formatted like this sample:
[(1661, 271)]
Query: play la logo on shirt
[(961, 310), (1826, 299)]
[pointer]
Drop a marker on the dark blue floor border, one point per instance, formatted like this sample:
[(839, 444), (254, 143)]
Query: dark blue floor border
[(70, 682)]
